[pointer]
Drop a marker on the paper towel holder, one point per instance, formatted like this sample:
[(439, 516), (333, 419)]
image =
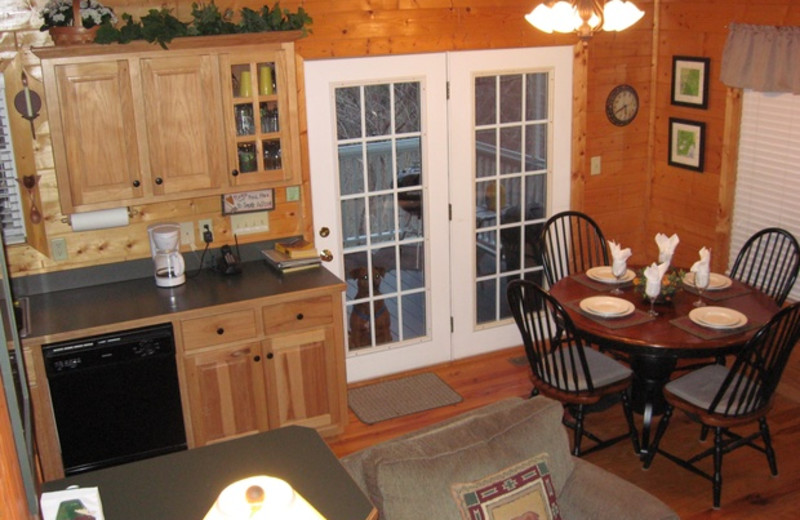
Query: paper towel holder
[(130, 214)]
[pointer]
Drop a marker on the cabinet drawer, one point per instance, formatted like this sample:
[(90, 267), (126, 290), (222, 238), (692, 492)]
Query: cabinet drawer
[(218, 329), (297, 315)]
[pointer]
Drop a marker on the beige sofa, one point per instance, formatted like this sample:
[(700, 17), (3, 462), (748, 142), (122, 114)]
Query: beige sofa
[(441, 471)]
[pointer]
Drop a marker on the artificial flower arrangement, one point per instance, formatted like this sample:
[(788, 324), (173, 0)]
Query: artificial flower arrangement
[(670, 284), (59, 13)]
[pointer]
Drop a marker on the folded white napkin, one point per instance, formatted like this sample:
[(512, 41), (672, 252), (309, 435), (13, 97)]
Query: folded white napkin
[(654, 274), (619, 257), (702, 268), (666, 246)]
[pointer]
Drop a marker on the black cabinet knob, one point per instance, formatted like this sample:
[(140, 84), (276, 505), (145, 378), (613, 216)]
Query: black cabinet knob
[(159, 181), (235, 173), (299, 315), (220, 331), (136, 183), (257, 359), (270, 355)]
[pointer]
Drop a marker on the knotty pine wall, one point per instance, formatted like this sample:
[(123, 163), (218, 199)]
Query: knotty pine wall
[(636, 195)]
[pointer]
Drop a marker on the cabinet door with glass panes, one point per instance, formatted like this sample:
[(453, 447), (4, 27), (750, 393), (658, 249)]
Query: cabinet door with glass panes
[(261, 113)]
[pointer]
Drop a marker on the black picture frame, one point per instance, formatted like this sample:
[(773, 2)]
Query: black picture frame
[(690, 81), (687, 144)]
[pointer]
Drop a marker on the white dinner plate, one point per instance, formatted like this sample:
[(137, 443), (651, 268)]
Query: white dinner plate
[(606, 306), (716, 281), (718, 317), (603, 274)]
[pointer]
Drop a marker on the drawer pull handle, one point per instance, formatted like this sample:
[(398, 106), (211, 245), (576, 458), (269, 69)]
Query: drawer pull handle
[(300, 316), (159, 181), (270, 355), (257, 359), (136, 184), (220, 331)]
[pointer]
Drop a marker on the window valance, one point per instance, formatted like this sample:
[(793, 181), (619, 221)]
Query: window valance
[(762, 57)]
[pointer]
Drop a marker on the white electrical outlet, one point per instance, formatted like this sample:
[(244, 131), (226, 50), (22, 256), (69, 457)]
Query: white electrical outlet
[(249, 223), (187, 233), (58, 249), (201, 227)]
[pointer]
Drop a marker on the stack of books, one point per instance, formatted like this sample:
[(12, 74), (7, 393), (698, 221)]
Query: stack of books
[(294, 255)]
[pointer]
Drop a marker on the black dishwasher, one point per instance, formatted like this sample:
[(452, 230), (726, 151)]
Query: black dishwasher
[(115, 397)]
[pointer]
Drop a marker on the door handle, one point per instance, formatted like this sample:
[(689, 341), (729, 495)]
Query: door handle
[(324, 232), (325, 255)]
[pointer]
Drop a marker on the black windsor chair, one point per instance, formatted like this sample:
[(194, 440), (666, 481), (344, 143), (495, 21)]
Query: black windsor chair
[(564, 367), (571, 242), (770, 262), (721, 398)]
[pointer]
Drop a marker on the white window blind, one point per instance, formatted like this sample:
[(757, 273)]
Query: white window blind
[(768, 179), (11, 212)]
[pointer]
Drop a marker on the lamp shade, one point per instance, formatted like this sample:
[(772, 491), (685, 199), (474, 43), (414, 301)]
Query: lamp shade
[(261, 498)]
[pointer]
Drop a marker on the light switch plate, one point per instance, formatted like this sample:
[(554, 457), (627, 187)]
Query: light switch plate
[(292, 193), (596, 165), (249, 223), (187, 233)]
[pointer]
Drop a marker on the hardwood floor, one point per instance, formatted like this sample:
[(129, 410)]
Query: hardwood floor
[(748, 491)]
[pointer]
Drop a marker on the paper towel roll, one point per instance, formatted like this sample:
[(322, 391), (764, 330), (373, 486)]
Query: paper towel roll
[(102, 219)]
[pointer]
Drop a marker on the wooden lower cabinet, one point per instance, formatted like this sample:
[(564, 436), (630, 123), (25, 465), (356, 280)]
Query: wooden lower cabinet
[(300, 375), (226, 393), (292, 374)]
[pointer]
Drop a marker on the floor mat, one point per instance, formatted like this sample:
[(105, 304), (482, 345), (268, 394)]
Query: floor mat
[(397, 397)]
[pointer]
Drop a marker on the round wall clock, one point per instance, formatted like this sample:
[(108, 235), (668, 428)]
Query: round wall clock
[(622, 105)]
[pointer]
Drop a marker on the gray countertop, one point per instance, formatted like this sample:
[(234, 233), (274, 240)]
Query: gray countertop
[(70, 310)]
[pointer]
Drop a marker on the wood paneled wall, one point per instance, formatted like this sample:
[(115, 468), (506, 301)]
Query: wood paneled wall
[(698, 205), (636, 194)]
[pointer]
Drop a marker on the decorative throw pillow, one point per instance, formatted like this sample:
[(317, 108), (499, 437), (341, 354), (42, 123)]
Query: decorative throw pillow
[(523, 491)]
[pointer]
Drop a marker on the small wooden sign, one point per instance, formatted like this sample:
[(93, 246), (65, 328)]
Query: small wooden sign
[(248, 201)]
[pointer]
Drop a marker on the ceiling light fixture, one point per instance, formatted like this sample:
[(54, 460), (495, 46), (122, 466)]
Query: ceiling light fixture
[(584, 17)]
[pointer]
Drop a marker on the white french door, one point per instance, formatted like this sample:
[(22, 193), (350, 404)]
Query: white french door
[(428, 204)]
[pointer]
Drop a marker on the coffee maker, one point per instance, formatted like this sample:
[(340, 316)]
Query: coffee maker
[(165, 248)]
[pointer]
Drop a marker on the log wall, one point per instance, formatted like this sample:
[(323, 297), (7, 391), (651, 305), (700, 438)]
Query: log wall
[(636, 194)]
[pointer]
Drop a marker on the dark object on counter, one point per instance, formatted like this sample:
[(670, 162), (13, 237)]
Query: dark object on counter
[(228, 262)]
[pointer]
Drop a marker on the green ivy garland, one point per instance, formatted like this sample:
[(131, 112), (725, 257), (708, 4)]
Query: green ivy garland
[(161, 27)]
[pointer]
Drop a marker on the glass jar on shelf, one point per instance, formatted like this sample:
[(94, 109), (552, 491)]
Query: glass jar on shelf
[(247, 157), (269, 117), (245, 124), (272, 155)]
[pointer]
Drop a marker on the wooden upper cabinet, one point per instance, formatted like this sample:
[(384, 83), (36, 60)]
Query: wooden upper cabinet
[(183, 118), (134, 123), (261, 115), (93, 124)]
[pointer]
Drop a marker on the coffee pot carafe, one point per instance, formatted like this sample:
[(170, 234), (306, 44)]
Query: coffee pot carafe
[(165, 248)]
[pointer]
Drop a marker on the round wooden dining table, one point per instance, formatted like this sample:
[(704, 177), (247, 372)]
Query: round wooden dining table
[(655, 345)]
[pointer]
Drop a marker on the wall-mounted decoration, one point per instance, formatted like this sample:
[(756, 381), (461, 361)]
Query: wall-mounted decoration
[(686, 144), (690, 81), (249, 201)]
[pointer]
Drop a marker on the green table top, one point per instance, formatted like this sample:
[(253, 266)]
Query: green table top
[(184, 485)]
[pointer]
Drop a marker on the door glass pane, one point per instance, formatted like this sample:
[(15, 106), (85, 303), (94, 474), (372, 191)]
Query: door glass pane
[(381, 190), (511, 165)]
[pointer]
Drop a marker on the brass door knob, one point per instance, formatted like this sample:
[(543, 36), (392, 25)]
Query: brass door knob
[(324, 232), (326, 255)]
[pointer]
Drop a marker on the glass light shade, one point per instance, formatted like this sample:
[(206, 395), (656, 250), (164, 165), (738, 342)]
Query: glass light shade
[(541, 18), (261, 498), (564, 17), (619, 15)]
